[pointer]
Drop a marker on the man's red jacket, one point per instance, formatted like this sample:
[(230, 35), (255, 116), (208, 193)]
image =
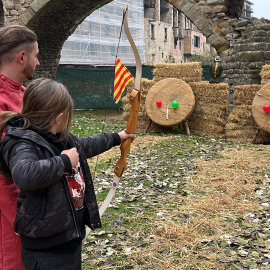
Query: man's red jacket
[(11, 94)]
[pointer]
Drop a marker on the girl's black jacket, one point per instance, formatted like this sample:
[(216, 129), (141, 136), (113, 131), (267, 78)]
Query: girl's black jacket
[(46, 215)]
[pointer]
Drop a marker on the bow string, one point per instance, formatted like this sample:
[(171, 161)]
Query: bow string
[(134, 99), (132, 124)]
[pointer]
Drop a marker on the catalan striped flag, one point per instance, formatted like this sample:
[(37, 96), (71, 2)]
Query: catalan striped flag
[(121, 78)]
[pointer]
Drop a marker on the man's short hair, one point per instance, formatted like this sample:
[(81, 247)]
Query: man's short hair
[(12, 36)]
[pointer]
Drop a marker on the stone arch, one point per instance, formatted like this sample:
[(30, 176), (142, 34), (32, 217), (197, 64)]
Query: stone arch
[(212, 17), (196, 15), (2, 15), (54, 21)]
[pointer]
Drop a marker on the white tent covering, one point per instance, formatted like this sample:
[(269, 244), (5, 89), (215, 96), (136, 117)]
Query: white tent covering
[(95, 40)]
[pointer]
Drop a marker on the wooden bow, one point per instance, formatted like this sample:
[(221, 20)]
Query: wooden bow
[(134, 99)]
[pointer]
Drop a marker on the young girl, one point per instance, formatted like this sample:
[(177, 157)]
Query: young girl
[(49, 166)]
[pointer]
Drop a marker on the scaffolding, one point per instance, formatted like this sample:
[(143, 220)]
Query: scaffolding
[(95, 40)]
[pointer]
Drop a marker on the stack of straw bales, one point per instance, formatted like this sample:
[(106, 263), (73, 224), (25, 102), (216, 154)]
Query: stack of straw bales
[(265, 74), (211, 113), (188, 72), (241, 126), (211, 109)]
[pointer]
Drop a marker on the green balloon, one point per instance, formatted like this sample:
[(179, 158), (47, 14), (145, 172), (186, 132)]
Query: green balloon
[(175, 104)]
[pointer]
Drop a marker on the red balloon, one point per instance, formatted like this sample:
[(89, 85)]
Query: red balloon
[(159, 103), (266, 107)]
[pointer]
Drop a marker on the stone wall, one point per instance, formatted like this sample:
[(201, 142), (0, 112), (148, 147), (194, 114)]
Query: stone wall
[(213, 18), (244, 61), (55, 20), (13, 9)]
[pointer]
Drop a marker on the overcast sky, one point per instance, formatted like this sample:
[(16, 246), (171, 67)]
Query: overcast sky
[(261, 8)]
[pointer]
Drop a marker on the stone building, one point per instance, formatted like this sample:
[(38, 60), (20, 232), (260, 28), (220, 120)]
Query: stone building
[(169, 35), (161, 32), (247, 11)]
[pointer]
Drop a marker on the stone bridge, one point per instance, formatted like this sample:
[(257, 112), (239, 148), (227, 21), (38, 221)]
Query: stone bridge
[(54, 21)]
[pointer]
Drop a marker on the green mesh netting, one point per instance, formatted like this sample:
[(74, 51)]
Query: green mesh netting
[(206, 72), (92, 88)]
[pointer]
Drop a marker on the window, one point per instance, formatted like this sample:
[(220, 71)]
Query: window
[(196, 42), (90, 28), (152, 31), (187, 23), (92, 50), (124, 49), (107, 30), (112, 50), (175, 42), (165, 34)]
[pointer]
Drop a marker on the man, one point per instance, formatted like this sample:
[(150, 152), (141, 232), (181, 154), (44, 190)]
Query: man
[(18, 61)]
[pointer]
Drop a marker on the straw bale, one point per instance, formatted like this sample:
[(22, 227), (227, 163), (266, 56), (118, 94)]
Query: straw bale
[(199, 86), (265, 81), (220, 98), (186, 79), (192, 69), (217, 110), (265, 74), (262, 137), (217, 86), (241, 134), (265, 67), (241, 126), (188, 72), (238, 127), (244, 94), (201, 124), (247, 131), (206, 128), (206, 92), (125, 99), (209, 118), (145, 85), (203, 85), (233, 126), (242, 115), (206, 118)]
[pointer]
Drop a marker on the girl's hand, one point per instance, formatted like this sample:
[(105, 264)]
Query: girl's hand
[(123, 136), (73, 156)]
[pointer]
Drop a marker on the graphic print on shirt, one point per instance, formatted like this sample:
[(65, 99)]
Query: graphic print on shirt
[(76, 185)]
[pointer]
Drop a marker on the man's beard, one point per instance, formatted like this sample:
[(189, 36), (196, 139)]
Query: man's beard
[(28, 72)]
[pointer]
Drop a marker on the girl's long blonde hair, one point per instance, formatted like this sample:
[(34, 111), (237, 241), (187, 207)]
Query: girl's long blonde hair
[(43, 100)]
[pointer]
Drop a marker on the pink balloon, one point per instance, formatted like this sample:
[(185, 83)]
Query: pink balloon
[(266, 108)]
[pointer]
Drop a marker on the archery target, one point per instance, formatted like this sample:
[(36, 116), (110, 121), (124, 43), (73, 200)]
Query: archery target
[(261, 108), (169, 102)]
